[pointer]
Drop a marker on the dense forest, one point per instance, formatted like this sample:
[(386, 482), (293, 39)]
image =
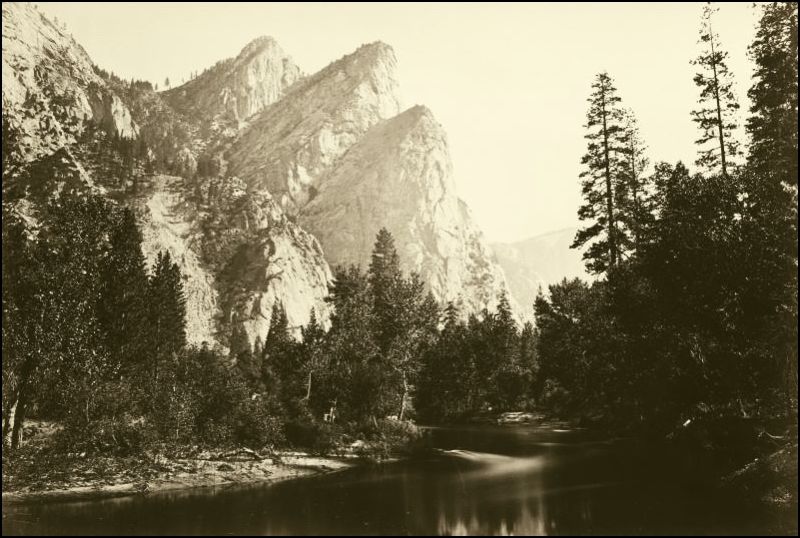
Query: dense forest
[(693, 313), (98, 343)]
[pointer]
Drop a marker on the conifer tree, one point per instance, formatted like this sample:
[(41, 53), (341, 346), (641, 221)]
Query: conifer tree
[(771, 185), (278, 334), (716, 117), (123, 310), (355, 369), (506, 381), (279, 370), (603, 180), (384, 279), (167, 311), (772, 125), (313, 336), (248, 359), (634, 207)]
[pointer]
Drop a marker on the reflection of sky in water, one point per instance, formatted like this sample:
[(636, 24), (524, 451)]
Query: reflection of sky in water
[(482, 480)]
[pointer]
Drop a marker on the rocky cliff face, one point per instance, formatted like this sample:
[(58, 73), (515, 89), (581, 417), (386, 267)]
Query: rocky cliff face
[(337, 152), (235, 89), (280, 174), (261, 257), (169, 223), (292, 143), (50, 86), (399, 175)]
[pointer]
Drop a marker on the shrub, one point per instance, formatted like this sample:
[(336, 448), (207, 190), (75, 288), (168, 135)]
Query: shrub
[(388, 437), (121, 436), (317, 437)]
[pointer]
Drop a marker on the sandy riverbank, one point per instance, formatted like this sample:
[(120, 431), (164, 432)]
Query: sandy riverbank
[(178, 474)]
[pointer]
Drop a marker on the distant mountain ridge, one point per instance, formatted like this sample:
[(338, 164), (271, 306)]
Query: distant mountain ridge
[(539, 261)]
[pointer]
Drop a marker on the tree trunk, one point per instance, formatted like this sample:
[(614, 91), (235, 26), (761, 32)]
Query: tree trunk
[(308, 387), (19, 417), (403, 399), (9, 421), (719, 108), (635, 195), (612, 239)]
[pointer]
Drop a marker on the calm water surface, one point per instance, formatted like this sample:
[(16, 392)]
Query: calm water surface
[(480, 480)]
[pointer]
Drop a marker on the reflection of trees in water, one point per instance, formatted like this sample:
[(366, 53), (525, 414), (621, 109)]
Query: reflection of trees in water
[(512, 497), (492, 504)]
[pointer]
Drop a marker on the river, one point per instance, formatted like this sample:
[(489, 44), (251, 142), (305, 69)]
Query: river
[(495, 480)]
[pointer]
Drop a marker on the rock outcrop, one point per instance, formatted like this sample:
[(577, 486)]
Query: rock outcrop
[(399, 176), (337, 152), (292, 143), (50, 87), (169, 223), (237, 88), (266, 258)]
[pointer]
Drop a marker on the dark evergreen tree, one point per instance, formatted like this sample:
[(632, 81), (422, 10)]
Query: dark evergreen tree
[(770, 186), (509, 381), (123, 306), (385, 280), (603, 180), (282, 368), (247, 358), (716, 117), (634, 203), (313, 337), (167, 312), (772, 125), (353, 382), (447, 382)]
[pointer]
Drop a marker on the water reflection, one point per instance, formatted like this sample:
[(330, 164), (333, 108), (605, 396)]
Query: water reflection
[(482, 480)]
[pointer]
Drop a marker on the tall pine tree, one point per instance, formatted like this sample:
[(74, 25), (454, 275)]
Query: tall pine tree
[(122, 311), (385, 279), (716, 116), (772, 125), (167, 312), (634, 206), (771, 184), (603, 180), (313, 337)]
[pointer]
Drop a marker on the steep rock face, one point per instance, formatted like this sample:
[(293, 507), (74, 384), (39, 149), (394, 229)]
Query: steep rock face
[(292, 143), (50, 86), (237, 88), (290, 269), (261, 257), (268, 258), (400, 176), (539, 262), (168, 223)]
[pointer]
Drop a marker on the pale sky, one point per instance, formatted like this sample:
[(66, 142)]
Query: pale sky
[(508, 82)]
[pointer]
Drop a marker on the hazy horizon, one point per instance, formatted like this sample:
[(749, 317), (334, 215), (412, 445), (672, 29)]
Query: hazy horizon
[(515, 128)]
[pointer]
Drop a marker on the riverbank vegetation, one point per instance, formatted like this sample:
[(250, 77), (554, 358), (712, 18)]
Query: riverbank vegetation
[(690, 330)]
